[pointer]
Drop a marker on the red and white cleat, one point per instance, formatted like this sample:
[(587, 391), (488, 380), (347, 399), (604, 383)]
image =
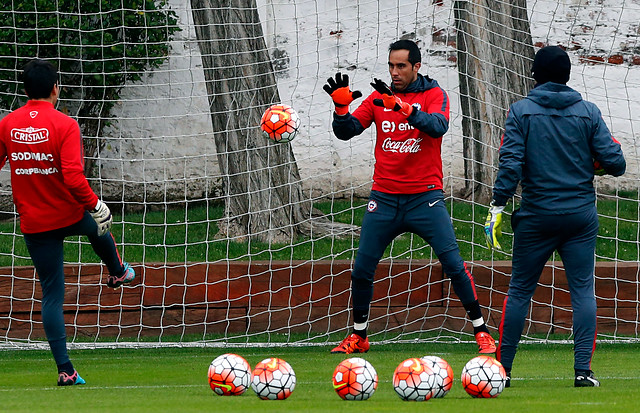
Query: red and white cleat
[(352, 344), (486, 343)]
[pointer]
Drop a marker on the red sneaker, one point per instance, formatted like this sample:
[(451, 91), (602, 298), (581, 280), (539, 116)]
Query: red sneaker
[(353, 344), (486, 343)]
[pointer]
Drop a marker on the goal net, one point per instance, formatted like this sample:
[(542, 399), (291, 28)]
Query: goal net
[(238, 240)]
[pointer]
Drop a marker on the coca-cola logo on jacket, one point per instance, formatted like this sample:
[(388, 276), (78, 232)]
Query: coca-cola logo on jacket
[(410, 145)]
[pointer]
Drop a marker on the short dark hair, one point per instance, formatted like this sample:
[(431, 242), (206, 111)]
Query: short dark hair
[(411, 46), (39, 76)]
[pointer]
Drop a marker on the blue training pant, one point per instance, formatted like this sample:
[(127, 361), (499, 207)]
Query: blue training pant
[(46, 250), (535, 239), (389, 215)]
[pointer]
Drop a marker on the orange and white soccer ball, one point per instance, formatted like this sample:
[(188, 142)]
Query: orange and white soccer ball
[(483, 376), (355, 379), (414, 380), (280, 123), (443, 374), (229, 375), (273, 379)]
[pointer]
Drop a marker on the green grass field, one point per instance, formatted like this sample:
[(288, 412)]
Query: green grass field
[(175, 380)]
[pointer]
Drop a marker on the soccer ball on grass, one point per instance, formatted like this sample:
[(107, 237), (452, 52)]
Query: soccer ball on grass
[(483, 376), (273, 379), (229, 375), (414, 380), (443, 374), (355, 379)]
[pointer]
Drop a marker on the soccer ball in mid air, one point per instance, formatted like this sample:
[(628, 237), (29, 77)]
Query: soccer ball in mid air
[(280, 123), (414, 380), (273, 379), (443, 374), (355, 379), (483, 376), (229, 375)]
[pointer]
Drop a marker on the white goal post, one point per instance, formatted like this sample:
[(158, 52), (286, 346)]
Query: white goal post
[(161, 165)]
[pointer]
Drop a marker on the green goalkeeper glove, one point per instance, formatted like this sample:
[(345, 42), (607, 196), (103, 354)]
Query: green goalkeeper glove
[(339, 91), (102, 215), (493, 226), (598, 169), (389, 100)]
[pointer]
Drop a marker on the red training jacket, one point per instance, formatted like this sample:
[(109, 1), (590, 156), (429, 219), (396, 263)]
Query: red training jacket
[(408, 161), (44, 149)]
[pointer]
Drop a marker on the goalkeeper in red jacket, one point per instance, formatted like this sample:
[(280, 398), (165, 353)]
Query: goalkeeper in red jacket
[(54, 200), (410, 116)]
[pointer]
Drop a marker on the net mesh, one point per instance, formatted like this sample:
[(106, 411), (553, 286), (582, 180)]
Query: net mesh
[(160, 144)]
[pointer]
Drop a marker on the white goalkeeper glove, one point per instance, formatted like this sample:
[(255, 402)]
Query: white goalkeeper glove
[(493, 226), (102, 215)]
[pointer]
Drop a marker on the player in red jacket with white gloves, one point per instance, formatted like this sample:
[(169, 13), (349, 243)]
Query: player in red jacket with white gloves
[(410, 117), (54, 200)]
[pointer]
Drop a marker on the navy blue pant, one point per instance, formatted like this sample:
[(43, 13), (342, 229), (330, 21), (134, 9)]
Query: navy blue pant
[(389, 215), (535, 239), (46, 251)]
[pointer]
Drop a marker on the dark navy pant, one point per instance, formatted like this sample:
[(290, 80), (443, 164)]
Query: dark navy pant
[(535, 239), (46, 250), (389, 215)]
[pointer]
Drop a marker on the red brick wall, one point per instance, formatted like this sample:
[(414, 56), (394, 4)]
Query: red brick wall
[(300, 296)]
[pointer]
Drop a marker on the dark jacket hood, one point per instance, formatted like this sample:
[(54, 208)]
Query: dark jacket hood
[(554, 95)]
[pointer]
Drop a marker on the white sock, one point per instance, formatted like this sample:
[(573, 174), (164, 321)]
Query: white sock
[(360, 326), (477, 322)]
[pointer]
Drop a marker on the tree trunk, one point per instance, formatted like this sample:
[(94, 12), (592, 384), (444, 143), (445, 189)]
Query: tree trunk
[(261, 182), (495, 53), (91, 117)]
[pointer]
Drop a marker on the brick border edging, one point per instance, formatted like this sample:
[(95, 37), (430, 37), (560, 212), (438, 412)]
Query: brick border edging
[(284, 296)]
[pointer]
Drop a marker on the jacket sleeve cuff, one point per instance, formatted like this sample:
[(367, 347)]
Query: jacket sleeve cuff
[(499, 200)]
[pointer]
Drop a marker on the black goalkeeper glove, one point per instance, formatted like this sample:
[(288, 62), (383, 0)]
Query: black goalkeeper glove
[(389, 100), (339, 91)]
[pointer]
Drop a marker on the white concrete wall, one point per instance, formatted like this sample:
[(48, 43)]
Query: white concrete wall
[(160, 144), (163, 138)]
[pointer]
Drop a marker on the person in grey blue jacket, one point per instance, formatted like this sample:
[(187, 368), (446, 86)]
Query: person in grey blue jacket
[(553, 144)]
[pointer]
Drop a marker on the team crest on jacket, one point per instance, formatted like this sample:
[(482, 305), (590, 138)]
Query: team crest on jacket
[(372, 205), (29, 135)]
